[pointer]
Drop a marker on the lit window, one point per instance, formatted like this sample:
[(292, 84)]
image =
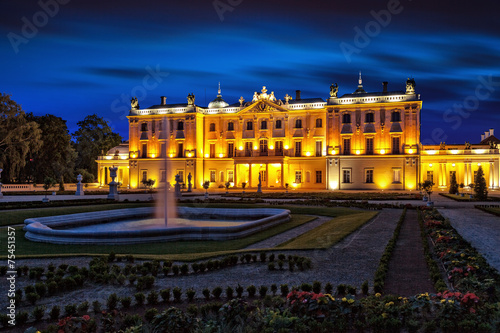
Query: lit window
[(369, 176), (346, 176), (319, 177), (298, 177)]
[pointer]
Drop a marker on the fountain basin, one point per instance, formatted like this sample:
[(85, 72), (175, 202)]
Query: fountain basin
[(90, 228)]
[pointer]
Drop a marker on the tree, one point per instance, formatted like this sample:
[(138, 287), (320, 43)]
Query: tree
[(57, 157), (427, 187), (48, 182), (93, 137), (453, 184), (19, 138), (150, 183), (480, 188)]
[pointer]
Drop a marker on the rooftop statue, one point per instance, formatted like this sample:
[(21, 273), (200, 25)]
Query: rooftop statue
[(134, 103), (410, 86), (190, 99), (334, 89)]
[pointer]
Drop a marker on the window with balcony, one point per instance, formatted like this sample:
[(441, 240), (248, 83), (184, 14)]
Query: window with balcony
[(298, 149), (298, 123), (395, 116), (230, 126), (319, 148), (369, 146), (395, 145), (212, 150), (263, 125), (263, 148), (249, 126), (278, 148), (346, 118), (180, 126), (180, 150), (278, 124), (369, 117), (347, 147), (230, 149), (144, 127), (248, 149)]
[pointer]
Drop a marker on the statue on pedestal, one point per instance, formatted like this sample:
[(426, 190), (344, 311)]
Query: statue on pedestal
[(190, 189), (113, 186), (134, 103), (177, 186), (79, 186), (334, 89)]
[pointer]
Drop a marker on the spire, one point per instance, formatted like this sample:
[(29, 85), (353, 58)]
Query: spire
[(219, 90), (360, 85)]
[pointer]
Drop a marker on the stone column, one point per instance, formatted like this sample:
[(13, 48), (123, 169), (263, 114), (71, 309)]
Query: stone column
[(1, 194), (249, 175), (282, 175), (235, 178), (491, 175), (445, 175)]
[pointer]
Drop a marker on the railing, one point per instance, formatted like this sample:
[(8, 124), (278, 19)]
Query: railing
[(39, 188)]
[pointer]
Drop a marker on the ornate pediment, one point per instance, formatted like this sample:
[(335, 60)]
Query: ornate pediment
[(263, 106)]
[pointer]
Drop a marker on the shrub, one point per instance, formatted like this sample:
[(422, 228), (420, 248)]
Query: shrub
[(280, 264), (202, 267), (121, 279), (184, 269), (291, 265), (239, 291), (263, 256), (190, 294), (281, 257), (195, 267), (55, 312), (364, 288), (206, 293), (41, 289), (139, 298), (177, 292), (341, 289), (284, 290), (129, 258), (210, 265), (328, 288), (112, 302), (150, 314), (480, 186), (153, 297), (271, 257), (96, 306), (126, 302), (165, 294), (263, 291), (21, 318), (217, 292), (38, 312), (51, 267), (192, 310), (229, 292), (316, 287), (251, 290), (32, 298), (274, 289), (351, 290), (29, 289), (175, 270), (271, 266), (111, 256), (166, 270), (63, 267), (83, 308), (132, 278), (70, 310)]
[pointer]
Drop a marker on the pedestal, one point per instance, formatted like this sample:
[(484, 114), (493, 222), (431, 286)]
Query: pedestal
[(190, 188), (113, 191), (79, 189), (259, 188), (177, 190)]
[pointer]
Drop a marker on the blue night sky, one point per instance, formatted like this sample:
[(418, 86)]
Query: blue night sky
[(91, 56)]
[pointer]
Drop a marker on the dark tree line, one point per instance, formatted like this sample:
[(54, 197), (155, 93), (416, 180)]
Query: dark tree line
[(34, 147)]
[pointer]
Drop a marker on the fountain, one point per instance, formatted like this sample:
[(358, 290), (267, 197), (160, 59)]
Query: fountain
[(164, 223)]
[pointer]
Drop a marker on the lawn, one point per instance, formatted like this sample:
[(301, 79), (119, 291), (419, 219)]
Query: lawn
[(329, 233), (13, 217), (466, 197), (491, 210), (330, 195)]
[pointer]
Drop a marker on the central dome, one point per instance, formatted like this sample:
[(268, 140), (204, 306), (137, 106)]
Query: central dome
[(218, 102)]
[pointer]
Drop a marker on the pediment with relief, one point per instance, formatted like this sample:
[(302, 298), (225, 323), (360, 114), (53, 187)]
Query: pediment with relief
[(263, 106)]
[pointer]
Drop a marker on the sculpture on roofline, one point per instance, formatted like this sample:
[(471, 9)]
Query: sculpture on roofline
[(334, 89), (190, 99), (134, 103), (410, 86)]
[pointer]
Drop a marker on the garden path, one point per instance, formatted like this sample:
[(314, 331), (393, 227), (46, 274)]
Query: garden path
[(479, 228), (408, 273)]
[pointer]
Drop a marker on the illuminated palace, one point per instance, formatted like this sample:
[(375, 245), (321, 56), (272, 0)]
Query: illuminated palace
[(362, 141)]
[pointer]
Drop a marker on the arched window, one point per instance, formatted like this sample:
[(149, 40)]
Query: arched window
[(369, 118), (180, 126), (319, 123), (230, 126), (249, 126), (396, 116), (144, 127), (298, 123), (278, 123), (346, 118), (212, 127), (263, 124)]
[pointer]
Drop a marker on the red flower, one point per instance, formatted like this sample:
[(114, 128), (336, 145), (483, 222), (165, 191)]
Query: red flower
[(62, 322), (86, 317)]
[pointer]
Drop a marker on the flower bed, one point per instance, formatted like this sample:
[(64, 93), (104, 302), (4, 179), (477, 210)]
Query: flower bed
[(466, 269)]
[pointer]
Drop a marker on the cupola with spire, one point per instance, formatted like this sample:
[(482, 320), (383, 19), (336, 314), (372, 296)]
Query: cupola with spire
[(218, 102), (360, 89)]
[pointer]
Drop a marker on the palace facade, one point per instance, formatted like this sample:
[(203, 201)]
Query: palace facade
[(362, 141)]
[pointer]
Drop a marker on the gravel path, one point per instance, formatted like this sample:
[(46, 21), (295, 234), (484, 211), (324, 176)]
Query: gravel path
[(481, 229), (408, 273), (351, 261), (284, 236)]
